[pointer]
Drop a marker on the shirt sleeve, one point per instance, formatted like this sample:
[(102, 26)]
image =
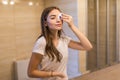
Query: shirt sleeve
[(39, 46), (67, 39)]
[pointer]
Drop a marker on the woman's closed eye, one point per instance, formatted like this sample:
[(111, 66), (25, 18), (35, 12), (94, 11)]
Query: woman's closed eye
[(52, 18)]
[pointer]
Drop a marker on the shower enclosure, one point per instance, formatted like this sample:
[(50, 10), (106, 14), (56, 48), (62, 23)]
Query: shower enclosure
[(102, 32)]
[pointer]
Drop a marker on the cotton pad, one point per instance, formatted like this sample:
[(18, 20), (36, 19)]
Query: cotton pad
[(59, 16)]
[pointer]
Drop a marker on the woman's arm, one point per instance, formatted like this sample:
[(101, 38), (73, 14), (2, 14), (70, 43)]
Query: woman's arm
[(33, 67), (84, 43), (33, 71)]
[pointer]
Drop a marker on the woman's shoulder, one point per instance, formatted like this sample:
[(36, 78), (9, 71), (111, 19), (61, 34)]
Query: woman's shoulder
[(41, 40), (39, 45), (65, 37)]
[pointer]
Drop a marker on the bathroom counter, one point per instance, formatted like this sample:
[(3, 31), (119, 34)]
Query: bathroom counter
[(109, 73)]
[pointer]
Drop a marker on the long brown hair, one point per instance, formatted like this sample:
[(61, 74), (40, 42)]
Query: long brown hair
[(50, 49)]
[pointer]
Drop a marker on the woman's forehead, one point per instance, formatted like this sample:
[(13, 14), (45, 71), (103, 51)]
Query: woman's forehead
[(54, 12)]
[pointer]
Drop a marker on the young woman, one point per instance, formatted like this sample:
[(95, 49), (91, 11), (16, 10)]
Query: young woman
[(50, 52)]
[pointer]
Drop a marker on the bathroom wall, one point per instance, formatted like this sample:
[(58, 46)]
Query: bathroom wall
[(102, 32), (83, 27), (118, 28), (19, 28)]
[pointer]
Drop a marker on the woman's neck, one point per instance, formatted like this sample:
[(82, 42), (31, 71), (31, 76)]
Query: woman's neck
[(55, 35)]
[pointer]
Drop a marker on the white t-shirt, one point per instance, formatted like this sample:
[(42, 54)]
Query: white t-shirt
[(47, 64)]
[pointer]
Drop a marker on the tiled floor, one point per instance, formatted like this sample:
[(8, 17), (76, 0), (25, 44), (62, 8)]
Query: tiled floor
[(109, 73)]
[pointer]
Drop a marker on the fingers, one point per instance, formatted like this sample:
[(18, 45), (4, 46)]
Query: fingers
[(65, 15), (62, 75), (66, 18)]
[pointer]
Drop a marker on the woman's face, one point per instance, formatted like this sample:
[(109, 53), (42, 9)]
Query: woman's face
[(53, 21)]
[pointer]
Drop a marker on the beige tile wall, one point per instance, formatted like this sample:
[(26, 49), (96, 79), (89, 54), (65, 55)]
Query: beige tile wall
[(106, 52), (118, 26), (19, 28), (82, 23), (92, 34)]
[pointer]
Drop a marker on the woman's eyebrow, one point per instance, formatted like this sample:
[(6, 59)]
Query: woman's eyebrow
[(52, 15)]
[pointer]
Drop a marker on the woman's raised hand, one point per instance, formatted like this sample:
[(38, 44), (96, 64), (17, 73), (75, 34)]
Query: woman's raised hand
[(68, 19)]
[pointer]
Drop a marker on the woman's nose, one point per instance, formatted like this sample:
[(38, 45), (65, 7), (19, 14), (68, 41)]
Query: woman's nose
[(58, 18)]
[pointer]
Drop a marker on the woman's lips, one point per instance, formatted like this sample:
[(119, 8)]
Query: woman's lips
[(59, 25)]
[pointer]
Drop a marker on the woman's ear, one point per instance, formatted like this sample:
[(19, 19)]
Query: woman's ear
[(45, 23)]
